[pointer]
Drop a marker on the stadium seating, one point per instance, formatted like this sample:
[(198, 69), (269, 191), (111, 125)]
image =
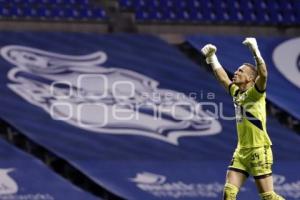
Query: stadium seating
[(257, 12), (51, 10)]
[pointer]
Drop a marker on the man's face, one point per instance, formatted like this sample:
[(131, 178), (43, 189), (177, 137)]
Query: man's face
[(241, 75)]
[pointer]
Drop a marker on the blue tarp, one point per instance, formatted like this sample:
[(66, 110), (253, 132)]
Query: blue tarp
[(130, 112), (24, 177), (282, 56)]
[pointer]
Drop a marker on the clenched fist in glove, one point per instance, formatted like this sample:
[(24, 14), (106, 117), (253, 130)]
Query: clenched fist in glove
[(252, 44), (209, 51)]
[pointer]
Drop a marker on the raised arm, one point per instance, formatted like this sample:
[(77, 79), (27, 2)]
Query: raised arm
[(261, 81), (209, 51)]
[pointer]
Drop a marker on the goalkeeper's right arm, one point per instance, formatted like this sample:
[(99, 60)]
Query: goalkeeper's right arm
[(209, 51)]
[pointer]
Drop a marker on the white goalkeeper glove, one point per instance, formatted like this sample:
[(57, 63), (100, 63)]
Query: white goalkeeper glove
[(209, 51), (252, 44)]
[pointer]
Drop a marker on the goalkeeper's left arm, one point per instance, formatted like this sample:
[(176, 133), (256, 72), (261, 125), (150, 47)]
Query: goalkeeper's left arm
[(261, 81)]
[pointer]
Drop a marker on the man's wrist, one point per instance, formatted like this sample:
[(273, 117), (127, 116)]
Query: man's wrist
[(257, 57), (259, 60), (213, 61), (256, 52)]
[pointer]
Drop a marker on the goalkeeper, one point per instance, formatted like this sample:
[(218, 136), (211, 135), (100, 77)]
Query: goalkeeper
[(253, 154)]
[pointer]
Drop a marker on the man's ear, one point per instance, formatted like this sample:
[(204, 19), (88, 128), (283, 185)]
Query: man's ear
[(248, 78), (251, 78)]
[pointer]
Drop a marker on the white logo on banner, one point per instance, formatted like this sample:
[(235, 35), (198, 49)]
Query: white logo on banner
[(158, 186), (9, 189), (149, 178), (286, 58), (7, 184), (286, 188), (82, 92)]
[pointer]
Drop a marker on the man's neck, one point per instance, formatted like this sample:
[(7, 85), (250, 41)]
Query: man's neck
[(246, 86)]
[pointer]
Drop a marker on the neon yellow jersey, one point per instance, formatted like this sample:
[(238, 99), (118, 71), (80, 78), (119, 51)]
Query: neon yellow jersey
[(250, 113)]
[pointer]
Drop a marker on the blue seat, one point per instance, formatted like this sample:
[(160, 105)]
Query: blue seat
[(165, 4), (263, 18), (273, 6), (139, 4), (98, 13), (289, 18), (248, 13), (248, 5), (31, 12), (43, 2), (285, 5), (15, 12), (142, 15), (155, 15), (152, 4), (65, 2), (85, 13), (196, 15), (232, 6), (83, 2), (29, 2), (26, 11), (44, 13), (208, 15), (183, 16), (275, 17), (6, 12), (16, 1), (126, 3), (180, 4), (193, 4), (221, 12), (235, 16), (61, 13), (260, 5), (171, 15)]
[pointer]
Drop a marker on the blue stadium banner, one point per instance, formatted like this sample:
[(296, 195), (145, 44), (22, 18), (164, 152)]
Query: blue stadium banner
[(131, 112), (22, 177)]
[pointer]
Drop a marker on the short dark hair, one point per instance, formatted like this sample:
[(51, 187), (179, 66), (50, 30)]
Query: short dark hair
[(253, 70)]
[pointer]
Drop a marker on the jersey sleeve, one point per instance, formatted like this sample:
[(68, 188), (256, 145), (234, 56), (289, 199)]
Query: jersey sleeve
[(255, 94), (233, 89)]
